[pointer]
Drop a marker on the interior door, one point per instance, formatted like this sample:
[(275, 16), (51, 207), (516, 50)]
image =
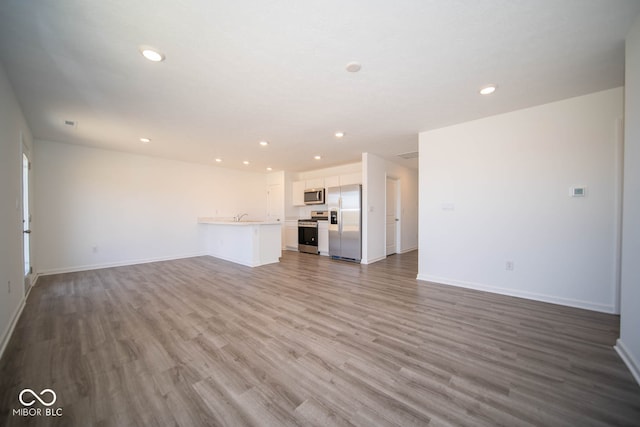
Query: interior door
[(392, 216), (275, 208), (275, 203), (26, 220)]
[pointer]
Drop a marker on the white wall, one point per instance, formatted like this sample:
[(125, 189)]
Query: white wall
[(628, 345), (12, 124), (374, 186), (375, 173), (497, 189), (131, 208)]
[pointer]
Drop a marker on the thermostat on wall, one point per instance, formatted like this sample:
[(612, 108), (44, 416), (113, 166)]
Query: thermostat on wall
[(578, 191)]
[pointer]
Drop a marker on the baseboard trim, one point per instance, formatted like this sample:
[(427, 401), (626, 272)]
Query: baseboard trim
[(587, 305), (243, 262), (371, 261), (411, 249), (8, 333), (74, 269), (628, 359)]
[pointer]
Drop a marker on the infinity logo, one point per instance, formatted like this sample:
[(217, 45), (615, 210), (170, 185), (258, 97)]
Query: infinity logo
[(36, 397)]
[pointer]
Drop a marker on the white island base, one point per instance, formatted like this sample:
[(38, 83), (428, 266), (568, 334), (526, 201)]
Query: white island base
[(250, 243)]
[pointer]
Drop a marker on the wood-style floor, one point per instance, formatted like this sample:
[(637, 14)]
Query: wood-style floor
[(308, 341)]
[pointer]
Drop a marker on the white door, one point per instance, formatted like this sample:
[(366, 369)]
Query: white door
[(26, 221), (392, 216), (275, 203), (275, 209)]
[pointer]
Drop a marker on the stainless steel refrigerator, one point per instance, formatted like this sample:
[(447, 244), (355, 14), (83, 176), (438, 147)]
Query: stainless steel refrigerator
[(345, 219)]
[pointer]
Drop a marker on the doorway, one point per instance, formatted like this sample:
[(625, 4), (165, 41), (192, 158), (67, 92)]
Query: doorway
[(26, 218), (392, 217)]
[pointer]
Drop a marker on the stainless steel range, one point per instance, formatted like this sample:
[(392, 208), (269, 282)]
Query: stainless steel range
[(308, 232)]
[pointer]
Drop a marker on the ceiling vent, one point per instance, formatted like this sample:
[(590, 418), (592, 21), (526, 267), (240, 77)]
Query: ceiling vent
[(410, 155)]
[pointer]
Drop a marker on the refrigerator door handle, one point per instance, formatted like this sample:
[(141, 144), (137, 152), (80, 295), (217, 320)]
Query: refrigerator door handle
[(340, 215)]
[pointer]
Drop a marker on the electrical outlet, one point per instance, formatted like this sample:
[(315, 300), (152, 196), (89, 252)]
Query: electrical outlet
[(94, 249), (509, 266)]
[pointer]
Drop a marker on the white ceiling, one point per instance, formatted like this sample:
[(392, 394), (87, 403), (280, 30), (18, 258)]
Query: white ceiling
[(237, 72)]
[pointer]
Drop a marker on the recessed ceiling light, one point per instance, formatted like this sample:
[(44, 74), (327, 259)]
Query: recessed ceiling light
[(264, 143), (353, 67), (152, 54), (317, 157), (145, 140), (269, 169), (488, 89), (218, 160), (246, 162), (339, 134)]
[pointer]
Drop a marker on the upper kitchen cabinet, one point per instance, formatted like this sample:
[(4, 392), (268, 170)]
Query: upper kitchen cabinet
[(346, 179), (351, 178), (297, 190), (324, 178), (298, 187), (332, 181), (315, 183)]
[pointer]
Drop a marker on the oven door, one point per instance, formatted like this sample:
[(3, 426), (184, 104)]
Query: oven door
[(308, 237)]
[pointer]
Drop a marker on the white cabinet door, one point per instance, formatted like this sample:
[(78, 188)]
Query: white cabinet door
[(297, 195), (331, 181), (323, 237), (291, 235), (315, 183), (351, 178)]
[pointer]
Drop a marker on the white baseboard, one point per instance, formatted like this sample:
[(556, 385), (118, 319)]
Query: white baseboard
[(587, 305), (372, 260), (6, 336), (404, 251), (8, 333), (628, 359), (74, 269), (243, 261)]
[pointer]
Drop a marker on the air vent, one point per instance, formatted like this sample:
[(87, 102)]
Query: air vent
[(71, 123), (411, 155)]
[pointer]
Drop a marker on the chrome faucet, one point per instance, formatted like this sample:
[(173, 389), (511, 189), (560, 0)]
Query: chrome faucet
[(238, 217)]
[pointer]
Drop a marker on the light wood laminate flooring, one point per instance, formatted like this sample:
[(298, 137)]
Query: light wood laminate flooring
[(308, 341)]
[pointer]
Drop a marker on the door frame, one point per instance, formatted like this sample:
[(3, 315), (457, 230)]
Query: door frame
[(25, 152), (398, 203)]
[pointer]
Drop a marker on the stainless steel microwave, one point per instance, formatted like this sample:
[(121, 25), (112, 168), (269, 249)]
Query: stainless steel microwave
[(314, 196)]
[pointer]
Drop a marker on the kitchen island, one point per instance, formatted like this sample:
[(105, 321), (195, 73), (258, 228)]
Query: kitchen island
[(250, 243)]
